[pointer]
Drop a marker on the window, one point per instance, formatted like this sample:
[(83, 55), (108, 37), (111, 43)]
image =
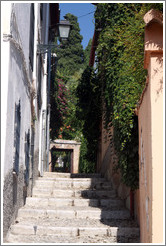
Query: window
[(27, 159), (17, 127), (41, 11), (39, 98)]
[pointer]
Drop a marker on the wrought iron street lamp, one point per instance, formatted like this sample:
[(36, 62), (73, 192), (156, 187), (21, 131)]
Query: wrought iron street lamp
[(64, 28)]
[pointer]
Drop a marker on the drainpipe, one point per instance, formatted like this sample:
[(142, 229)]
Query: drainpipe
[(48, 135), (132, 204), (48, 88), (43, 142), (48, 108)]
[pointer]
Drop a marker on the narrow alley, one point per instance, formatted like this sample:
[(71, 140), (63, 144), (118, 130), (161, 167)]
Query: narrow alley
[(82, 123)]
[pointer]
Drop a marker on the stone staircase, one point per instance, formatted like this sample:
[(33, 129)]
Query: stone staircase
[(73, 208)]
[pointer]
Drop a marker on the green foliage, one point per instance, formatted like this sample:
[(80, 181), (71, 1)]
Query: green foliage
[(85, 166), (121, 53), (65, 157), (77, 123), (89, 111), (63, 122), (59, 107), (71, 54), (87, 53), (70, 63), (72, 102)]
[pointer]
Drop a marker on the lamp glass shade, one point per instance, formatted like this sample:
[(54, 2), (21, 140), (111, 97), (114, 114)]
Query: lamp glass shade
[(64, 29)]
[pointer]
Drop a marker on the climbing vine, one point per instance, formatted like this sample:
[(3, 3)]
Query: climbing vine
[(120, 56)]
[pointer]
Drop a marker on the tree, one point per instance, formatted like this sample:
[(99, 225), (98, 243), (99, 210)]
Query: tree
[(89, 111), (71, 54), (69, 118), (87, 53)]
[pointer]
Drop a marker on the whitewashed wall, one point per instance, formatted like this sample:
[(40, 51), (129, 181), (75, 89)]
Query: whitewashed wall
[(18, 81)]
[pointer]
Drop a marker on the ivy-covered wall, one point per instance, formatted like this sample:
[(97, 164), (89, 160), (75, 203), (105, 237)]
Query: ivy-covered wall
[(120, 56)]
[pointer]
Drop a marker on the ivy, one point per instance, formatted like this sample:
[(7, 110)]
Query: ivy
[(120, 56)]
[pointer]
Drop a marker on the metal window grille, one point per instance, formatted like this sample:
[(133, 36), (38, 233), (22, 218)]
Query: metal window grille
[(27, 159), (17, 127), (39, 99)]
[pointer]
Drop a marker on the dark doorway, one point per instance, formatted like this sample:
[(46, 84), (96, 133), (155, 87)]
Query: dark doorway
[(61, 160)]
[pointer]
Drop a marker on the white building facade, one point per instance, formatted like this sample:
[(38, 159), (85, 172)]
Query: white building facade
[(24, 100)]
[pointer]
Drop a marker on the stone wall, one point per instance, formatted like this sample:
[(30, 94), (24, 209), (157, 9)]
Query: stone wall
[(12, 197), (107, 164)]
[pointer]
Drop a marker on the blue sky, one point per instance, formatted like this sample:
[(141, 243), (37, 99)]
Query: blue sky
[(86, 23)]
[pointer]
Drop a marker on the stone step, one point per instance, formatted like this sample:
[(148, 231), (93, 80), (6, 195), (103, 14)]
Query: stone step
[(63, 239), (85, 175), (74, 212), (46, 221), (47, 192), (74, 183), (69, 175), (72, 231), (56, 175), (52, 178), (23, 229), (69, 208), (61, 202)]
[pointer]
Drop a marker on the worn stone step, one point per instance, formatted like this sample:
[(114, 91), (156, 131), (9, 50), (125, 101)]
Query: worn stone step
[(47, 192), (36, 229), (41, 230), (69, 208), (74, 183), (74, 212), (56, 178), (85, 175), (47, 239), (59, 179), (60, 202), (71, 175), (69, 234), (56, 174), (89, 222)]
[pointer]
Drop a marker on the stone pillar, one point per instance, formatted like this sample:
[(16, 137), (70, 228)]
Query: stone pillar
[(76, 155)]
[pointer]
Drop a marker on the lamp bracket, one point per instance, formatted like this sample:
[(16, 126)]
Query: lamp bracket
[(45, 48)]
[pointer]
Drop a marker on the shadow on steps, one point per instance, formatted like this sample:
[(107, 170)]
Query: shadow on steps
[(113, 211)]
